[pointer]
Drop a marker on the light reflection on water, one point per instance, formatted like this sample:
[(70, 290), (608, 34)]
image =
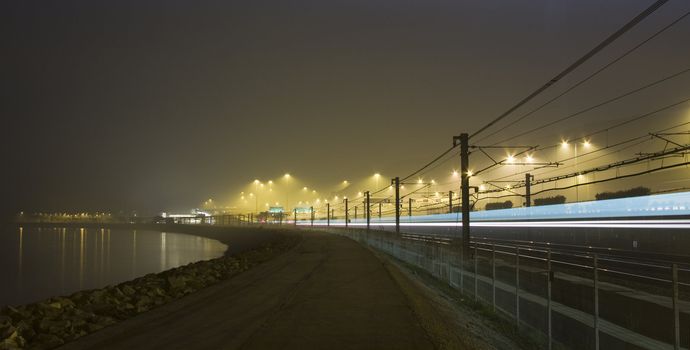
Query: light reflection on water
[(37, 263)]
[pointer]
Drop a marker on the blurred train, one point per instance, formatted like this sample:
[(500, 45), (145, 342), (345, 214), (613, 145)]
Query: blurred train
[(654, 223)]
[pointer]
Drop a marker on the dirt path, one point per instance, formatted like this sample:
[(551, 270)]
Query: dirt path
[(329, 292)]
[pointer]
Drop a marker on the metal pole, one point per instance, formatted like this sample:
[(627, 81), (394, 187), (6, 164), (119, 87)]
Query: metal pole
[(295, 210), (596, 302), (493, 277), (549, 280), (380, 209), (517, 286), (328, 214), (355, 212), (312, 216), (396, 182), (465, 189), (462, 272), (476, 273), (368, 210), (347, 214), (409, 207), (528, 190), (450, 201), (676, 311)]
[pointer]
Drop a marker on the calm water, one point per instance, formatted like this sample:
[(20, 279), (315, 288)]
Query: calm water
[(37, 263)]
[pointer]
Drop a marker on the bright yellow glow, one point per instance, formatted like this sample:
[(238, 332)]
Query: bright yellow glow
[(455, 172), (433, 182), (377, 175), (345, 182), (510, 159), (564, 144), (359, 193), (402, 187), (256, 181), (482, 187), (507, 187), (270, 182), (469, 173), (419, 181), (586, 143), (286, 175), (305, 188), (313, 191), (529, 158)]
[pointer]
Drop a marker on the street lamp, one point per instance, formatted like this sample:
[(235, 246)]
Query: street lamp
[(287, 190)]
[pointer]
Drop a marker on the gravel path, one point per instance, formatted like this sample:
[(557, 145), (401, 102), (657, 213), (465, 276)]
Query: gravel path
[(328, 292)]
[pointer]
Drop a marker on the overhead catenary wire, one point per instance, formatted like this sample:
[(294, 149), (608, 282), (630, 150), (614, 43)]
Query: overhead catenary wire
[(611, 38), (587, 78), (600, 104)]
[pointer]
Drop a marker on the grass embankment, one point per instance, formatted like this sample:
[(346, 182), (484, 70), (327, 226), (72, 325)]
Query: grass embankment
[(58, 320)]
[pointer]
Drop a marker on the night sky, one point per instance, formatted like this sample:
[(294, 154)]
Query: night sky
[(158, 105)]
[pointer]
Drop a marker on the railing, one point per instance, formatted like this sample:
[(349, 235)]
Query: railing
[(576, 299)]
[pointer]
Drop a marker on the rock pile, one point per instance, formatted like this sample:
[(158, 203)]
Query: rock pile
[(55, 321)]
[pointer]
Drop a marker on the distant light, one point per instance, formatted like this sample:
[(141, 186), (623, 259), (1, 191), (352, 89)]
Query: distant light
[(313, 191), (564, 144), (469, 173), (455, 173), (359, 193), (482, 187), (270, 182), (510, 159), (529, 158), (286, 175), (433, 181), (256, 181), (377, 175), (419, 181), (586, 143), (402, 187)]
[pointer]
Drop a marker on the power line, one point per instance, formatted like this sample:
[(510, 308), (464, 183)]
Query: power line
[(644, 14), (603, 103), (659, 32)]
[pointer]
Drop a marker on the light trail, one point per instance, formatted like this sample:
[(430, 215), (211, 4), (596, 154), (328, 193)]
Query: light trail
[(648, 224)]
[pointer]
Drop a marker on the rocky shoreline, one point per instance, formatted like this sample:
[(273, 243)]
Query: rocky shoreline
[(53, 322)]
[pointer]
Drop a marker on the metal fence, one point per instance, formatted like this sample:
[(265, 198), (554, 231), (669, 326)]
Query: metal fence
[(564, 298)]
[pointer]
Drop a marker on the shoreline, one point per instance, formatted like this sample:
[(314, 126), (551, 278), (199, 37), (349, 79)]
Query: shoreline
[(59, 320)]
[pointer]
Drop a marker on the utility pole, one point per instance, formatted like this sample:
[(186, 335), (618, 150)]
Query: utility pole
[(295, 216), (380, 210), (355, 212), (528, 189), (312, 216), (328, 214), (368, 212), (464, 190), (347, 217), (450, 202), (396, 182), (409, 207)]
